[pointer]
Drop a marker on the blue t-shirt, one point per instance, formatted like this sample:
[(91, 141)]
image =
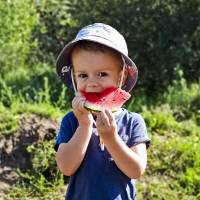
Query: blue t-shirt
[(98, 177)]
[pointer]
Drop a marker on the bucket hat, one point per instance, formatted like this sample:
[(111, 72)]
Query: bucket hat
[(105, 35)]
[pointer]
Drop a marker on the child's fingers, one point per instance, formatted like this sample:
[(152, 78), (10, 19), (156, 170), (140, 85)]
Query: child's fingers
[(104, 118), (78, 103), (110, 117), (99, 120), (75, 102)]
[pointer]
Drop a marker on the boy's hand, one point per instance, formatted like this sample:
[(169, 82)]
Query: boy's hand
[(106, 125), (84, 116)]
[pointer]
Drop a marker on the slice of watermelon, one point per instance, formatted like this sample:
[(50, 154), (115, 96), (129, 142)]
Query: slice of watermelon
[(112, 98)]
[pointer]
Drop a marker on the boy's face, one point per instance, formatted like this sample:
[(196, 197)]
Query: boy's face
[(94, 71)]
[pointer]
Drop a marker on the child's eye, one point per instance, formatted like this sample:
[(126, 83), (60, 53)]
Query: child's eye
[(82, 75), (103, 74)]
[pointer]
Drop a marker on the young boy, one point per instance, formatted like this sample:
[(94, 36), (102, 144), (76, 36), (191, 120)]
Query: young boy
[(94, 61)]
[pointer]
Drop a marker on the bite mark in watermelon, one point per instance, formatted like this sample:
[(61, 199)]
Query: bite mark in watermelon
[(111, 98)]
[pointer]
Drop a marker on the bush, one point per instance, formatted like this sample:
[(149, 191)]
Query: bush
[(17, 21), (52, 31)]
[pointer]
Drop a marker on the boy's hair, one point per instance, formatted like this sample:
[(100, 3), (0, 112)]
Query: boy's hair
[(96, 47)]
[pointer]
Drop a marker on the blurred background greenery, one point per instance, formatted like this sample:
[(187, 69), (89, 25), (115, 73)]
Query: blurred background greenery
[(163, 38)]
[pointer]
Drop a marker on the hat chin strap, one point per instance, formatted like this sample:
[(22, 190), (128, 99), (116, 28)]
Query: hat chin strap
[(73, 82), (122, 76)]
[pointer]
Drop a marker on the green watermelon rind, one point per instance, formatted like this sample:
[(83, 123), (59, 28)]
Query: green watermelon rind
[(96, 108)]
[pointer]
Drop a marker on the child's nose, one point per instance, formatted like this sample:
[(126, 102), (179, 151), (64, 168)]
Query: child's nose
[(92, 84), (92, 81)]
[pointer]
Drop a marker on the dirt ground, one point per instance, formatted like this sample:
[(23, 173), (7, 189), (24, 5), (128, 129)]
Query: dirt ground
[(13, 148)]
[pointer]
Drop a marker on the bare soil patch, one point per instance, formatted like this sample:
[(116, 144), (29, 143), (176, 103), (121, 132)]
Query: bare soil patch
[(13, 148)]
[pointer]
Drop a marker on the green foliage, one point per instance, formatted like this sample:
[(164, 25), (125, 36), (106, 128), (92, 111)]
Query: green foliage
[(25, 191), (52, 31), (37, 183), (162, 120), (178, 159), (44, 172), (34, 100), (174, 161), (180, 94), (161, 188), (6, 94), (8, 122), (183, 98), (43, 155), (17, 21)]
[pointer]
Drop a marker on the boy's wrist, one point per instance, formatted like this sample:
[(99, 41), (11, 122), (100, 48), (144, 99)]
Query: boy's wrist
[(111, 138), (85, 125)]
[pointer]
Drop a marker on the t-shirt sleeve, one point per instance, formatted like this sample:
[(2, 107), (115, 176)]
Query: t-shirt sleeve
[(68, 126), (138, 131)]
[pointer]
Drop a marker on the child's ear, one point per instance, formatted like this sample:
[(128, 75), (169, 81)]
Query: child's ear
[(124, 76)]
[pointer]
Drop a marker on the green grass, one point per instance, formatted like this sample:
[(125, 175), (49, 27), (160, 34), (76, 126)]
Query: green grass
[(173, 169), (8, 122)]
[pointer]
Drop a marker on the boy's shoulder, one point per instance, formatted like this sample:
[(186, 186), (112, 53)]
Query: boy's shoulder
[(69, 117), (130, 119), (131, 115), (69, 114), (132, 128)]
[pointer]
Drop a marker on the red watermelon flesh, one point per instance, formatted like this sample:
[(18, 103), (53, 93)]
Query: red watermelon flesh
[(112, 98)]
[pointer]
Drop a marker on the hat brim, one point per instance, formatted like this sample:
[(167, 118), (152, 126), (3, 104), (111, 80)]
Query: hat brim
[(64, 59)]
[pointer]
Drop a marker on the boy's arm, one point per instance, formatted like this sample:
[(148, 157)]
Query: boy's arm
[(131, 161), (70, 155)]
